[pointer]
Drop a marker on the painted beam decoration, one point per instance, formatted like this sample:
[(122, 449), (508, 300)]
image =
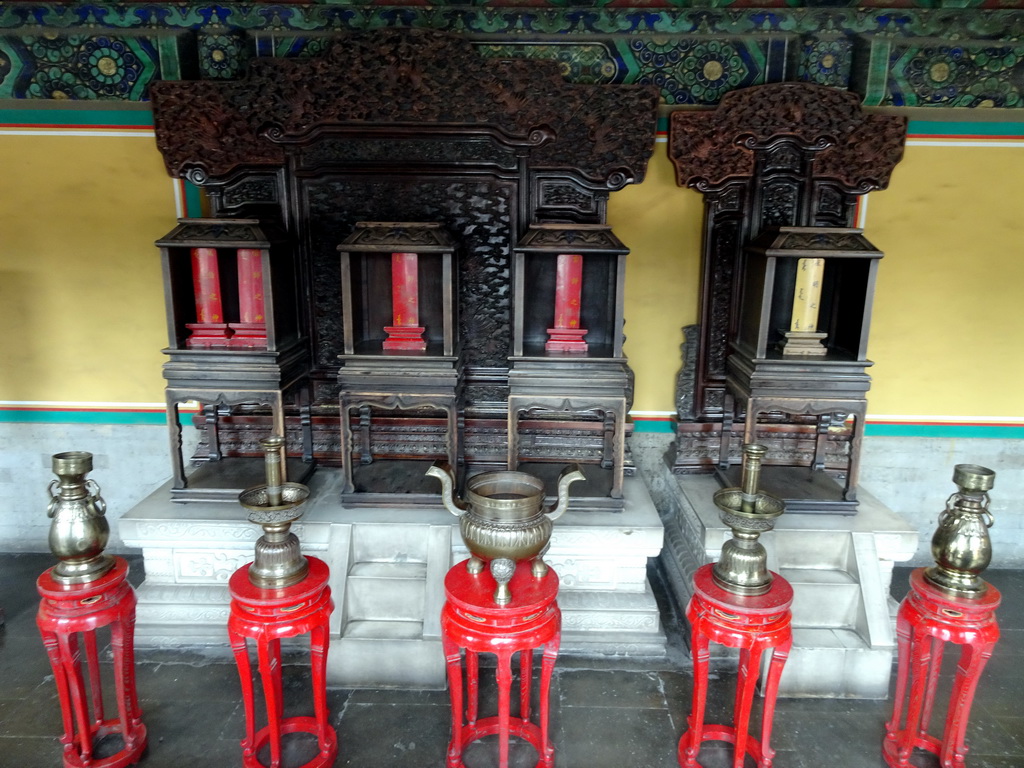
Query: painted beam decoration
[(208, 129), (900, 54)]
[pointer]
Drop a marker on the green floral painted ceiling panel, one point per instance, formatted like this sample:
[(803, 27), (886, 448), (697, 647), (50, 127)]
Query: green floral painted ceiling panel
[(85, 64), (966, 55)]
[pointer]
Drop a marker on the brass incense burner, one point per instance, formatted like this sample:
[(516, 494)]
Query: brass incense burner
[(503, 519), (79, 530), (961, 545), (275, 506), (742, 567)]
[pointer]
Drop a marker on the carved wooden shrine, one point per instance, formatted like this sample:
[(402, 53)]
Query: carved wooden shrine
[(801, 347), (567, 344), (406, 127), (784, 155), (235, 338), (387, 362)]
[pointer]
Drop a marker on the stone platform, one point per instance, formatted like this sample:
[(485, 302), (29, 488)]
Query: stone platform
[(387, 570)]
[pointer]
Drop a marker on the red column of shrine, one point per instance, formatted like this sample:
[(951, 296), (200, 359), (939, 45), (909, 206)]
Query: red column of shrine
[(209, 330), (567, 336), (251, 330), (406, 334)]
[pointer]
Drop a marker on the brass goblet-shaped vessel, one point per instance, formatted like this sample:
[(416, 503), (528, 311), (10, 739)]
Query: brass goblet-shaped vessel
[(961, 545), (275, 506), (742, 567)]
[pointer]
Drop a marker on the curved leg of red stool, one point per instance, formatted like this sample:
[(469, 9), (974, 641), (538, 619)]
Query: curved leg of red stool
[(270, 673), (92, 661), (902, 673), (746, 683), (122, 676), (241, 651), (771, 693), (128, 659), (547, 667), (933, 682), (920, 664), (73, 670), (277, 674), (318, 639), (689, 744), (63, 692), (968, 672), (453, 657), (504, 676), (472, 686), (525, 675)]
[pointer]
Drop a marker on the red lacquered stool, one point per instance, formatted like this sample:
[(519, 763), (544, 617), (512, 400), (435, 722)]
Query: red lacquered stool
[(66, 610), (267, 616), (753, 624), (927, 618), (471, 620)]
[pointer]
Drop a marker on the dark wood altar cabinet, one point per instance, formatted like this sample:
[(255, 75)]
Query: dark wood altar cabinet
[(567, 343), (770, 157), (234, 339), (414, 128)]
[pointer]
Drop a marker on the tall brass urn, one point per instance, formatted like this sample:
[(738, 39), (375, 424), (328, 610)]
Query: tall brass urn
[(961, 545), (79, 530), (503, 519)]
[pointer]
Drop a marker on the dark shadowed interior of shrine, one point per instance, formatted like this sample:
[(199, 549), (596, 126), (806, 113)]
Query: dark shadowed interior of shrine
[(650, 271)]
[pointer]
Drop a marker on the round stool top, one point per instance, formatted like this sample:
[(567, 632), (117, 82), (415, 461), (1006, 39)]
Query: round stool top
[(778, 597), (244, 591), (475, 592), (51, 589), (951, 607)]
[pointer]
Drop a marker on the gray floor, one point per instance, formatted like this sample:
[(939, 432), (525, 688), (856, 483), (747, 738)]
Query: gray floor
[(605, 714)]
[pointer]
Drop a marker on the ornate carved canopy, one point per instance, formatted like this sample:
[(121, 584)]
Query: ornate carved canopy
[(416, 80), (854, 149)]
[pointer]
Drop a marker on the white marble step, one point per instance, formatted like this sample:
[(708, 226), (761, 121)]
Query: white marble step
[(384, 630), (375, 661), (824, 598), (409, 571), (613, 643), (835, 663), (181, 614), (389, 543), (609, 612), (385, 591), (808, 548)]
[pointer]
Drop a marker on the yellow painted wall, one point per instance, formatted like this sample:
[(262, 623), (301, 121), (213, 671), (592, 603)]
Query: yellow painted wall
[(661, 225), (948, 331), (81, 297), (81, 300)]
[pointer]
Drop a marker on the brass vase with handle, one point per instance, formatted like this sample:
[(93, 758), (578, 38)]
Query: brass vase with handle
[(79, 529), (961, 545)]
